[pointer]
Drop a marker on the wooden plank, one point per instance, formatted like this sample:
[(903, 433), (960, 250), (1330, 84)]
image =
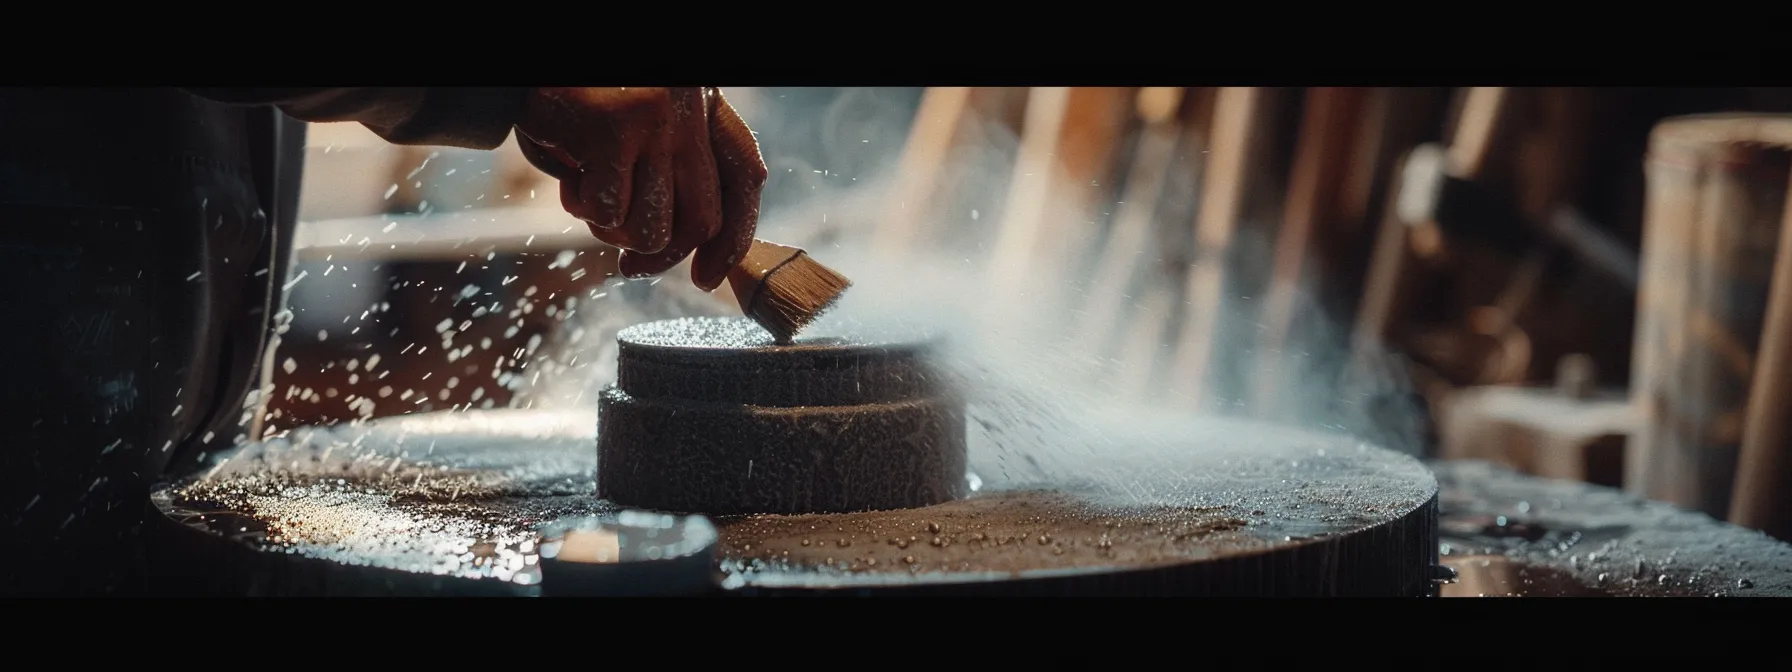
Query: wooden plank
[(1475, 129), (436, 236), (1319, 173), (1027, 207), (937, 128), (1237, 125), (1069, 142), (1763, 493), (1124, 257)]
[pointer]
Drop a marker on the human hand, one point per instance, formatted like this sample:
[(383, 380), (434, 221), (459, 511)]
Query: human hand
[(658, 172)]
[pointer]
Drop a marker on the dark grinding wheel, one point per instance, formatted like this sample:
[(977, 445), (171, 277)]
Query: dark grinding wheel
[(1173, 506), (709, 416), (452, 503)]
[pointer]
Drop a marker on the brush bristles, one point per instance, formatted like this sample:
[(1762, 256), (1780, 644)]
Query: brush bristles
[(794, 294)]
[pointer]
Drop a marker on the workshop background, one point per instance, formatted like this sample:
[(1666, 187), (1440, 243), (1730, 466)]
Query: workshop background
[(1567, 282)]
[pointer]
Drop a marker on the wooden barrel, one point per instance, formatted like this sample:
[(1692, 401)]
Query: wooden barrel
[(1716, 194), (709, 416)]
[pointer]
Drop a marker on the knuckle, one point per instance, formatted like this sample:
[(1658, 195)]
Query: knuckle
[(754, 173), (645, 103), (575, 206)]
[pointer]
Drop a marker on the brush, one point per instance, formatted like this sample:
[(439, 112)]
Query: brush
[(783, 289)]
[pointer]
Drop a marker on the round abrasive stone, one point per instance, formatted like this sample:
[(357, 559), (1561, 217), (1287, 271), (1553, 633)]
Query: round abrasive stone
[(734, 361), (457, 503), (1170, 506), (710, 416)]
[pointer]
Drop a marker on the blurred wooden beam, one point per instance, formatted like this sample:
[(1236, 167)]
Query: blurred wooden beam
[(1069, 143), (445, 235), (1763, 492), (937, 129), (1238, 125), (1122, 259), (1322, 159)]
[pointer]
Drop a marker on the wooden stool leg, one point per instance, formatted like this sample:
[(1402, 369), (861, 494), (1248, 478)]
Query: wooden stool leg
[(1763, 496)]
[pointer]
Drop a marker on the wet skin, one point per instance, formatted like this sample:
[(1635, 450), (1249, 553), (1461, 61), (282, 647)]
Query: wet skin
[(663, 173)]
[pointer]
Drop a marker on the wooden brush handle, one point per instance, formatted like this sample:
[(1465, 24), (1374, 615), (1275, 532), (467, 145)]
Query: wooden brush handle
[(761, 259)]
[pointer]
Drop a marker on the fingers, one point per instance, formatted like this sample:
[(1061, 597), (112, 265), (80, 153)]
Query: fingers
[(657, 172), (604, 135), (648, 225), (600, 189), (553, 164), (602, 196), (740, 173), (696, 215)]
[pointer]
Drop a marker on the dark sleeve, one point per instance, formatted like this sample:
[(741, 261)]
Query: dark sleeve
[(469, 117)]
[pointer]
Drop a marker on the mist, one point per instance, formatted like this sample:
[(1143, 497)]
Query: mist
[(1010, 269)]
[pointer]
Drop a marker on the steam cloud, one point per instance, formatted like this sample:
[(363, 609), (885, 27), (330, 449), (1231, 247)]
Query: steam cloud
[(1045, 380)]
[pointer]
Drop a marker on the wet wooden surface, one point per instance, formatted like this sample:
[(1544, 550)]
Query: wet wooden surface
[(1571, 538)]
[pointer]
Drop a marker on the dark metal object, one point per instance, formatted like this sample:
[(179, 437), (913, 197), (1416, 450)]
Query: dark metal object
[(143, 245), (1468, 209), (709, 416)]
